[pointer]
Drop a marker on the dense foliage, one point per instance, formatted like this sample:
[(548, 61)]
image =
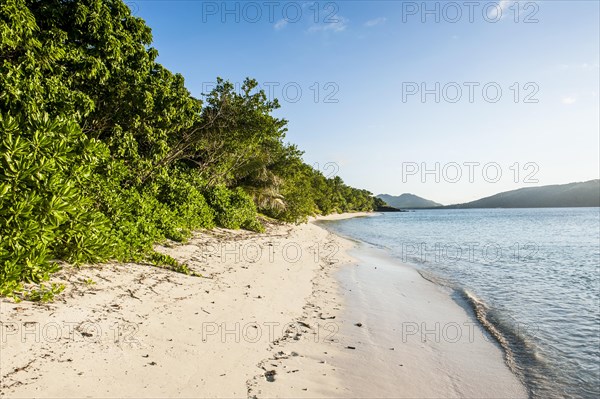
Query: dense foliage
[(104, 151)]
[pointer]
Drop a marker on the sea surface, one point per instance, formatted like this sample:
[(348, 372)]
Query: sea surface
[(530, 276)]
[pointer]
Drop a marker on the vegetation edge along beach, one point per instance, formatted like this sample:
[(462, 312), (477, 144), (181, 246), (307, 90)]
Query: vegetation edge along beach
[(105, 153)]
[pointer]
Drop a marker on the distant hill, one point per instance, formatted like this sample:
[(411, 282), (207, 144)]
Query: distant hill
[(409, 201), (555, 196)]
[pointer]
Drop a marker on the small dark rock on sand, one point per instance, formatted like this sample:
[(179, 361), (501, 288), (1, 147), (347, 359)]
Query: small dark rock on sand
[(270, 375)]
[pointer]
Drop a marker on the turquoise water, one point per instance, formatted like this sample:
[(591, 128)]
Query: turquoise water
[(533, 275)]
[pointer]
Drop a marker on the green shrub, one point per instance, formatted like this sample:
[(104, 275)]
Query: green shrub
[(181, 192), (44, 293), (234, 209), (171, 207), (169, 263), (44, 212)]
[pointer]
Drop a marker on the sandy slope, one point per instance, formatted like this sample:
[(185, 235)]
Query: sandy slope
[(265, 320)]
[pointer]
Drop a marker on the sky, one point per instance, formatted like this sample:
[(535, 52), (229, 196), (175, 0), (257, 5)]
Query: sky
[(451, 101)]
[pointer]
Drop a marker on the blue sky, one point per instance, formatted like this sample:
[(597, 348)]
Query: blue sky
[(350, 76)]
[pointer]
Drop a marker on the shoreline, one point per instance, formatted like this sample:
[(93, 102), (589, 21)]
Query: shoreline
[(282, 324), (431, 345), (476, 311)]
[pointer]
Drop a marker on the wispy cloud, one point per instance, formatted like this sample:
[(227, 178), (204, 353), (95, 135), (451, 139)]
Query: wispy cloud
[(512, 9), (569, 100), (589, 67), (500, 9), (504, 4), (374, 22), (282, 23), (585, 66), (338, 25)]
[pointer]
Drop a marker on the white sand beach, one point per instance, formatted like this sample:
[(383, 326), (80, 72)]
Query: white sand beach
[(293, 312)]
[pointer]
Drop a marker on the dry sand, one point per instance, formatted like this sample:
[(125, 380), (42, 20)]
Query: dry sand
[(273, 316)]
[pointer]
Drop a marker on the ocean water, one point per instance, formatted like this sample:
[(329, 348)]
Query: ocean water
[(531, 277)]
